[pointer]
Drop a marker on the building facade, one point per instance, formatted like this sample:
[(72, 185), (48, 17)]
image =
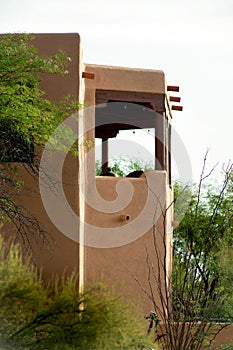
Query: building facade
[(107, 228)]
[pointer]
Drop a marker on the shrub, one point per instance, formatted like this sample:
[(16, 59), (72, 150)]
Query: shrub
[(35, 315)]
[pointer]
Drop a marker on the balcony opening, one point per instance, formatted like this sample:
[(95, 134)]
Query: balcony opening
[(130, 127)]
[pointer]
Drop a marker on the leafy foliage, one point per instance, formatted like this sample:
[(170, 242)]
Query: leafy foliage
[(22, 105), (202, 250), (55, 316), (195, 303), (123, 166)]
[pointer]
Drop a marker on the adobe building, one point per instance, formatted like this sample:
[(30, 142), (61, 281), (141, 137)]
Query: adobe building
[(107, 228)]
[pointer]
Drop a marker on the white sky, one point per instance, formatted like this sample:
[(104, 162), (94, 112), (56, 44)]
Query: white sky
[(191, 41)]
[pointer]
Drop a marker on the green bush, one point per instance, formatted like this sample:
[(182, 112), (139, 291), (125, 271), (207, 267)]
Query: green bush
[(123, 166), (55, 316)]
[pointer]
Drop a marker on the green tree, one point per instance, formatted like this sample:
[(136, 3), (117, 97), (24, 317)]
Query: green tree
[(202, 245), (23, 108), (27, 119), (199, 293)]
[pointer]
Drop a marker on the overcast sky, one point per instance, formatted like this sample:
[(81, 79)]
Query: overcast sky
[(191, 41)]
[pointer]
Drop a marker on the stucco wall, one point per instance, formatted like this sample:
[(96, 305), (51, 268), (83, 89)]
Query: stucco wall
[(133, 241), (127, 79)]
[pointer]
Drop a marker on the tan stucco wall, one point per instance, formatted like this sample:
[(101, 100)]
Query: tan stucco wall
[(57, 86), (64, 255), (225, 337), (127, 79), (116, 265)]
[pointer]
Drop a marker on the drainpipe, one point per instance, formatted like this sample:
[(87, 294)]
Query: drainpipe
[(81, 183)]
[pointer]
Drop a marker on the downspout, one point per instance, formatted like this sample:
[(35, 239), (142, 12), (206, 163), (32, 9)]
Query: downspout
[(81, 182)]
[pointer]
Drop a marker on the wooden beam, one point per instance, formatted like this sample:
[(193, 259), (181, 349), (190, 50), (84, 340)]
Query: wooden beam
[(177, 108), (156, 101), (174, 99), (88, 75), (173, 88)]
